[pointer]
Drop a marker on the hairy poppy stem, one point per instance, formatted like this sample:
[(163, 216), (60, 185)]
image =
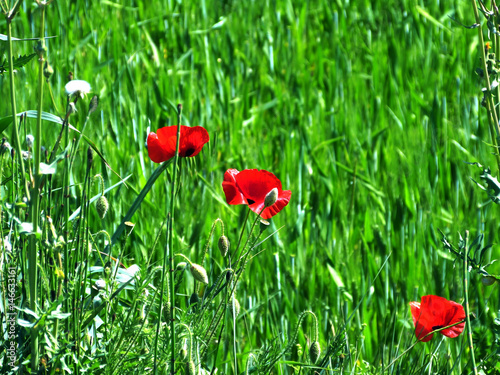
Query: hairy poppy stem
[(466, 296), (169, 255)]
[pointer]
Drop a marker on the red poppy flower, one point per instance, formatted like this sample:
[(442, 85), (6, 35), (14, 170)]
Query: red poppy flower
[(251, 186), (436, 312), (161, 145)]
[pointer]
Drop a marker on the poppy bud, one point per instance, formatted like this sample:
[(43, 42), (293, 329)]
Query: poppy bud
[(90, 157), (190, 368), (102, 206), (199, 273), (488, 280), (94, 102), (271, 198), (234, 304), (48, 70), (181, 266), (194, 299), (314, 352), (223, 245)]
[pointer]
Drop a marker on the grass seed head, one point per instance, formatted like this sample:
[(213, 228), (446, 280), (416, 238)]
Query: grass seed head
[(223, 245), (102, 206), (234, 304), (314, 352), (199, 273)]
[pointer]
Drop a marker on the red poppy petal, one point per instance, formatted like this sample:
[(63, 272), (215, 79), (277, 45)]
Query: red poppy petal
[(156, 150), (192, 140), (454, 314), (255, 184), (421, 323), (231, 191)]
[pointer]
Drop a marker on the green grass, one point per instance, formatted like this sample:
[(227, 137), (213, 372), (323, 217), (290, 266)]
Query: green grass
[(365, 110)]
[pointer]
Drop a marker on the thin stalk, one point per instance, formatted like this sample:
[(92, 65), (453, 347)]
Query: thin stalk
[(15, 132), (168, 255), (466, 296), (35, 194), (17, 144)]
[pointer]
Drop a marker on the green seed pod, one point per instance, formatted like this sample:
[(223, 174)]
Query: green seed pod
[(488, 280), (314, 352), (271, 197), (199, 273), (102, 206), (190, 368), (180, 266), (223, 245), (194, 299), (234, 302), (48, 70)]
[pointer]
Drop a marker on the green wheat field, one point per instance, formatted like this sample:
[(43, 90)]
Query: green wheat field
[(370, 112)]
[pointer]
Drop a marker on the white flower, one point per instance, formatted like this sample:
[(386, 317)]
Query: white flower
[(29, 140), (77, 87)]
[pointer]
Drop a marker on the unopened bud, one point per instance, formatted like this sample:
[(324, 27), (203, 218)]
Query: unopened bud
[(102, 206), (488, 280), (314, 352), (199, 273), (47, 70), (90, 157), (94, 102), (194, 299), (271, 198), (223, 245)]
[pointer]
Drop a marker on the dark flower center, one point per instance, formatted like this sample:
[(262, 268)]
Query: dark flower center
[(189, 152), (250, 202), (436, 327)]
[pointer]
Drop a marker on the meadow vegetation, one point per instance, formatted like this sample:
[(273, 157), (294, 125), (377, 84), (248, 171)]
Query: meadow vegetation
[(370, 112)]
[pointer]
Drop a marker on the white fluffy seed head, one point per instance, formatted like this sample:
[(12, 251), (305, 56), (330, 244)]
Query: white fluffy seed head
[(77, 87)]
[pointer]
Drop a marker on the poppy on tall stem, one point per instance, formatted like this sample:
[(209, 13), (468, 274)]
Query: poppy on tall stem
[(162, 144), (259, 189), (433, 313)]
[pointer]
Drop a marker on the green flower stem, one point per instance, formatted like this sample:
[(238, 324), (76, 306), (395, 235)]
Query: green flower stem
[(35, 194), (169, 255), (466, 296), (15, 132), (32, 263)]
